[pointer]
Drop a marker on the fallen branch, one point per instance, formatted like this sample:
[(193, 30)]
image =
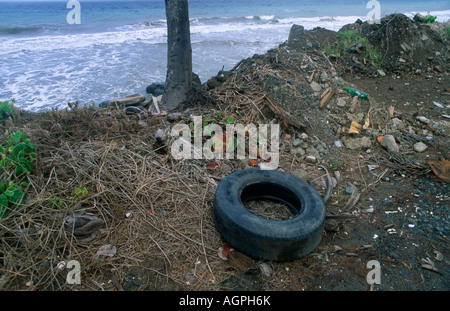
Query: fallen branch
[(284, 115)]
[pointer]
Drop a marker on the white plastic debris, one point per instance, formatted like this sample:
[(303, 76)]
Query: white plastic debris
[(107, 250)]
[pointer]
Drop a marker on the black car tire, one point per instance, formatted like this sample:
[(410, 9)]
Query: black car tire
[(261, 238)]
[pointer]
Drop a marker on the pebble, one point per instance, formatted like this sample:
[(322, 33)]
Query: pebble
[(388, 142), (420, 147), (311, 159), (315, 86), (297, 142), (423, 119), (341, 102), (300, 152)]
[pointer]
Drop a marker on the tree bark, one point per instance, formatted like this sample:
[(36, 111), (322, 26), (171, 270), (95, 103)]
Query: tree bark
[(179, 54)]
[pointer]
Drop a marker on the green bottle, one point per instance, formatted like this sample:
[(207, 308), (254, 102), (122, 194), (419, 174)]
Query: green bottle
[(356, 92)]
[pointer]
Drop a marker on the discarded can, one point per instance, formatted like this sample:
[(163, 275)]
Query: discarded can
[(356, 92)]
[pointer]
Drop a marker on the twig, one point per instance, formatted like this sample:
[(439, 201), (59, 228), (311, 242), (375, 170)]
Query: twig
[(285, 116), (327, 196), (353, 199)]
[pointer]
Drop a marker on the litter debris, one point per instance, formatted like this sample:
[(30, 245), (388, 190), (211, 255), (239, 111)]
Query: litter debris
[(353, 199), (438, 255), (355, 128), (438, 105), (211, 165), (266, 270), (223, 252), (355, 92), (107, 250), (326, 96), (84, 227), (239, 261), (429, 265), (441, 169)]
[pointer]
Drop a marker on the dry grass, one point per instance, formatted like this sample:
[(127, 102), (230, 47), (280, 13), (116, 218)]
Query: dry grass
[(157, 211)]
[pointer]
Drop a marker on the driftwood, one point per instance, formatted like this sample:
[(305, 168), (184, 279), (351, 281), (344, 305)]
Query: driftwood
[(284, 115), (326, 96)]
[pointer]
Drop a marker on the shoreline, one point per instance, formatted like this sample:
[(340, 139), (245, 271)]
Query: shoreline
[(50, 90)]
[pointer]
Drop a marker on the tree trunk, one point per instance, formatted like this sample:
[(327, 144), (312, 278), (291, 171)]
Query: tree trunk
[(179, 54)]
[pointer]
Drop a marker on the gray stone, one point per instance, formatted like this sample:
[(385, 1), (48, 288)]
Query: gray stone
[(311, 159), (133, 110), (173, 117), (420, 147), (357, 143), (388, 142), (300, 152), (297, 142), (311, 151), (341, 102), (419, 18), (337, 175), (381, 72), (155, 89), (300, 173), (295, 33), (315, 86)]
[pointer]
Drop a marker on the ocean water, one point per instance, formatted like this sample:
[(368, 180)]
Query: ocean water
[(120, 46)]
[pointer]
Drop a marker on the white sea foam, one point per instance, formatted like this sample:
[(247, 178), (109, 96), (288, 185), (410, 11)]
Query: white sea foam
[(50, 70)]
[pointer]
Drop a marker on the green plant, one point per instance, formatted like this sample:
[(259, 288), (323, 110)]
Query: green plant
[(333, 165), (10, 193), (429, 19), (78, 193), (17, 154), (349, 37), (6, 109)]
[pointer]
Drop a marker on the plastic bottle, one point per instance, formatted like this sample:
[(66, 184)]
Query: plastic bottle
[(356, 92)]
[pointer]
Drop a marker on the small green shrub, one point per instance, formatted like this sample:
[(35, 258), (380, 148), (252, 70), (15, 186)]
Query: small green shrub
[(10, 193), (350, 37), (429, 19), (17, 154), (78, 193), (6, 109)]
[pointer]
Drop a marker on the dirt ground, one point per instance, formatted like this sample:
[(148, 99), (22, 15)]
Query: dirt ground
[(169, 243)]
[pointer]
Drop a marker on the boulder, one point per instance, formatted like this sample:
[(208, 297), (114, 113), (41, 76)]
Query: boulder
[(419, 18), (295, 33)]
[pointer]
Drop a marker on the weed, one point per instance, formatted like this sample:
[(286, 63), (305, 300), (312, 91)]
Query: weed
[(349, 37), (17, 154), (79, 193), (333, 165), (10, 193), (6, 109), (430, 19)]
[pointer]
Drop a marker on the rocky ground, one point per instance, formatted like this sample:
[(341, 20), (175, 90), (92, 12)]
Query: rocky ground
[(388, 202), (402, 213)]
